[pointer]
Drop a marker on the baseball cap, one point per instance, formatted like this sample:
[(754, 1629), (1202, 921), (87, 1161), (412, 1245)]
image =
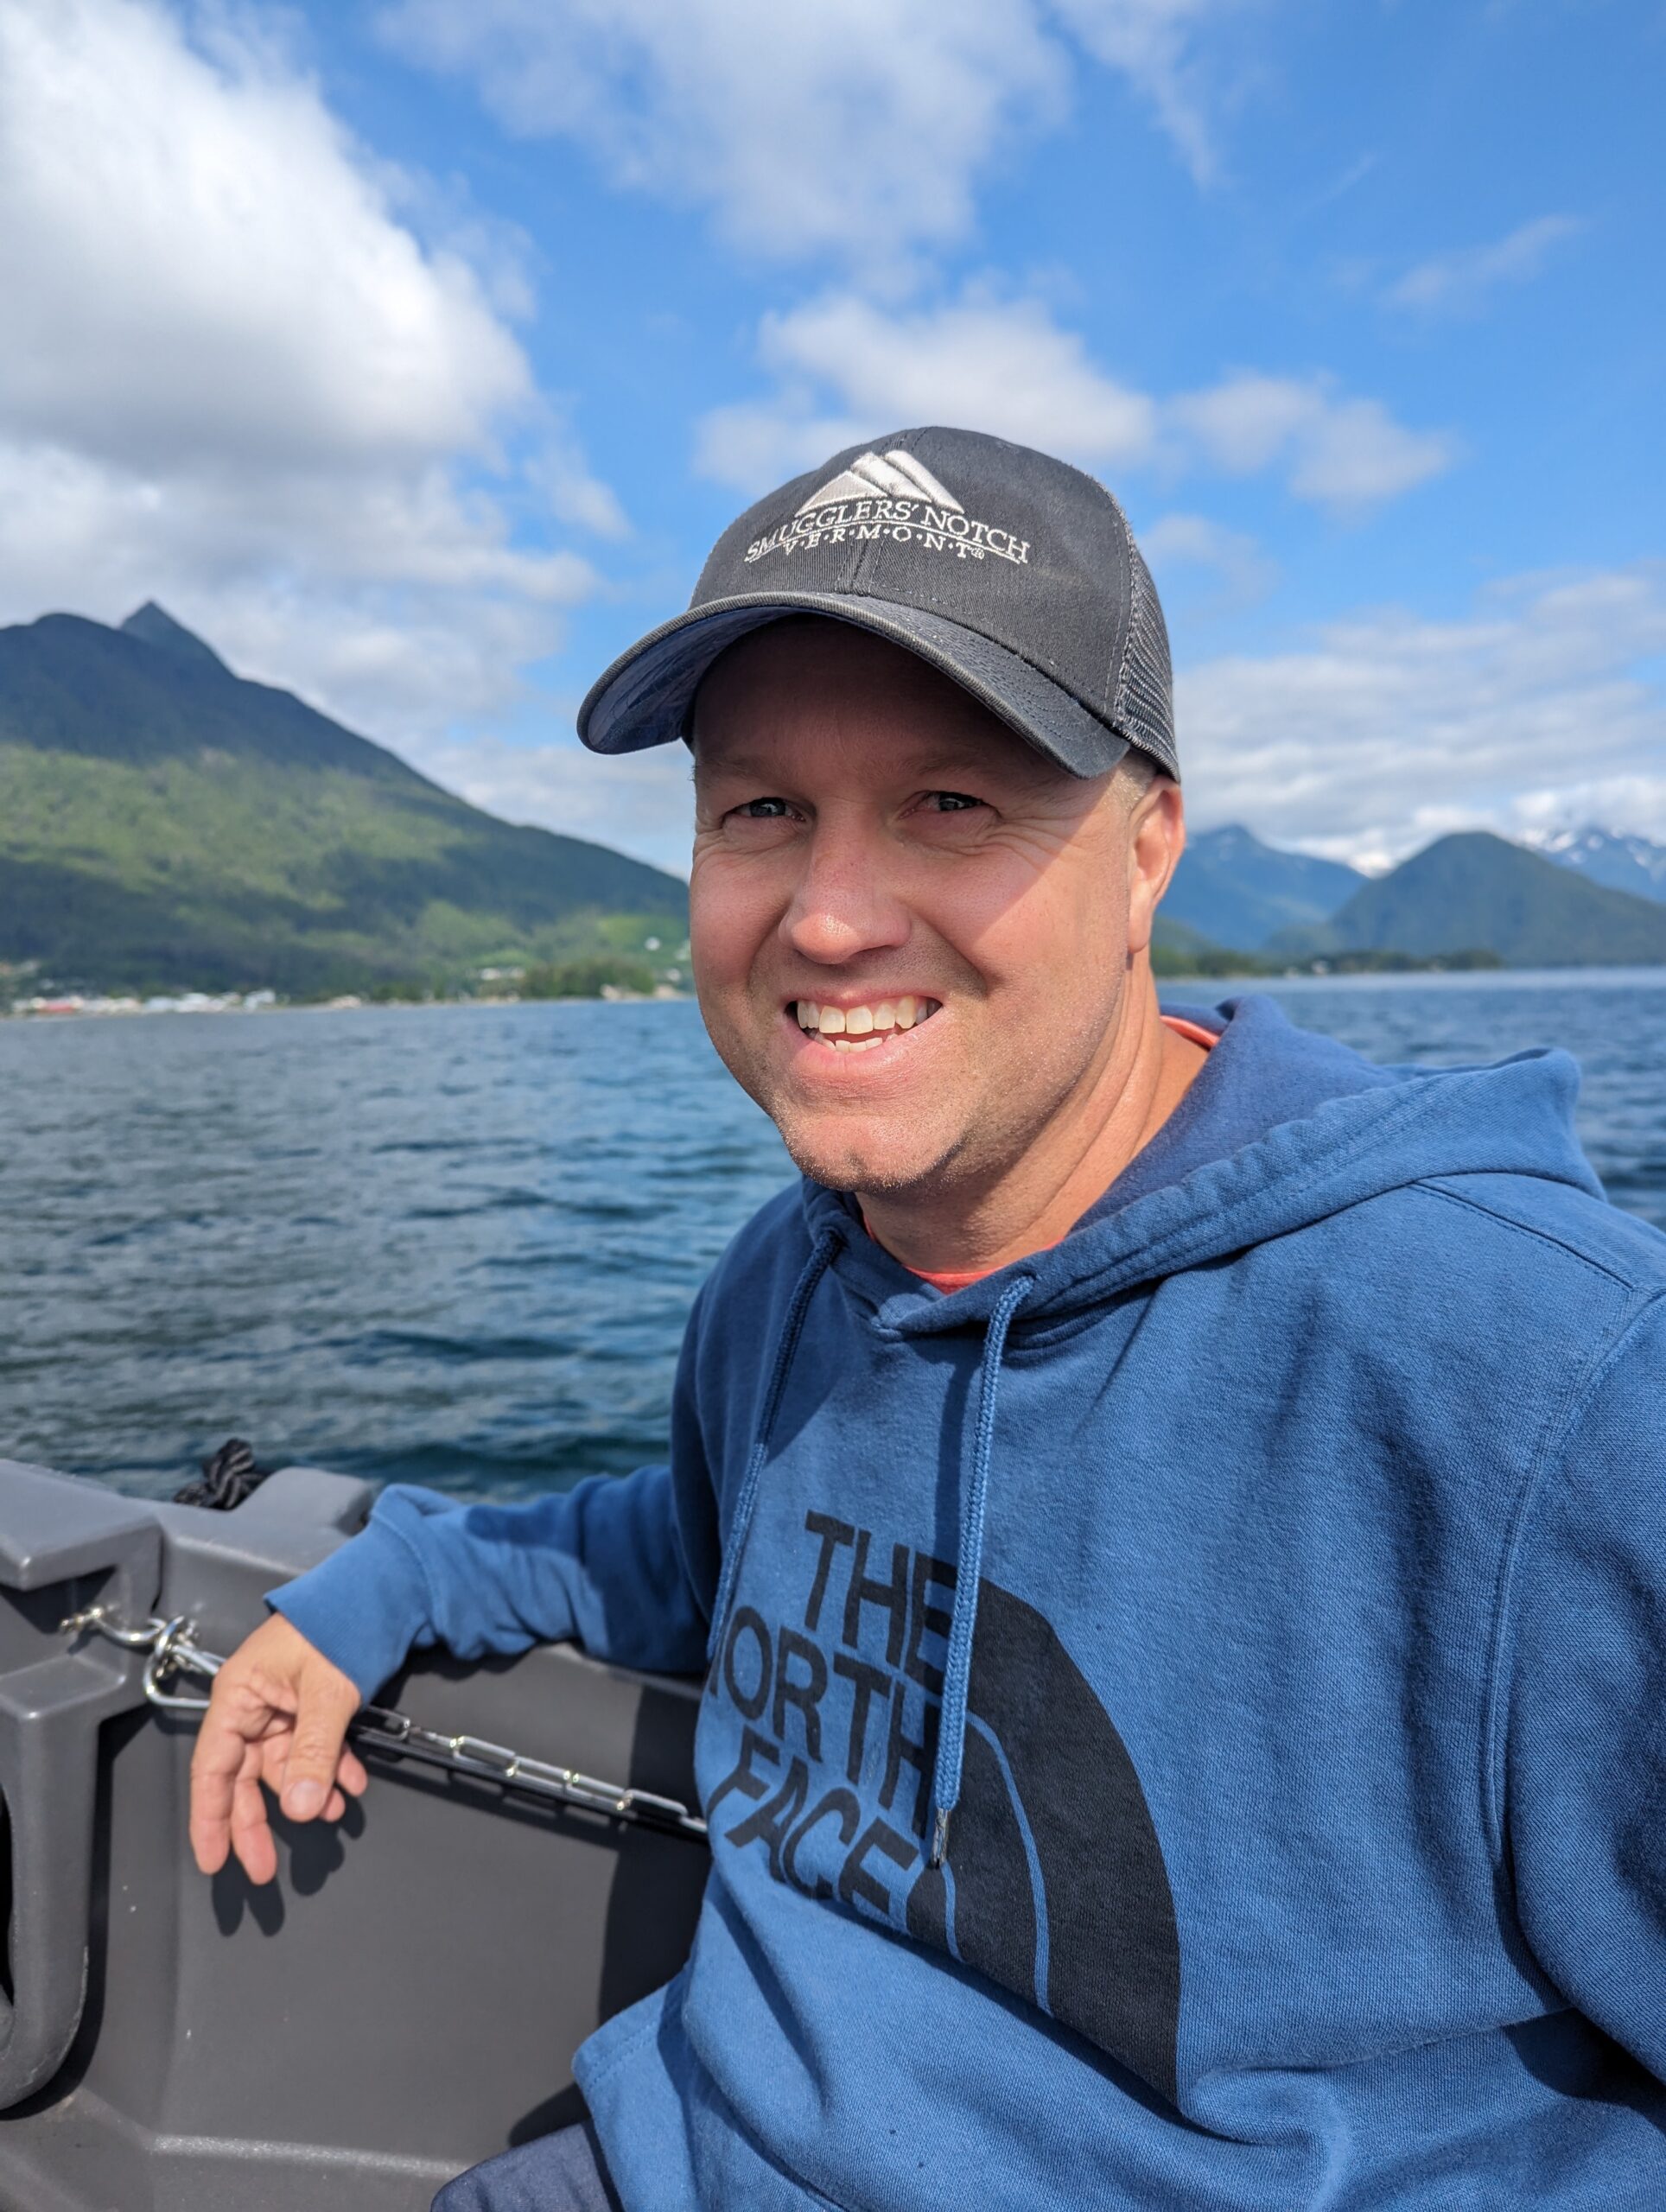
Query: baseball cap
[(1014, 574)]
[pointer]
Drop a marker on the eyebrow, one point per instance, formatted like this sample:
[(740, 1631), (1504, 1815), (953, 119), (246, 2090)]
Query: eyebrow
[(739, 763)]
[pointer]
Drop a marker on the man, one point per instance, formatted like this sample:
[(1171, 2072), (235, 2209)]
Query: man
[(1174, 1515)]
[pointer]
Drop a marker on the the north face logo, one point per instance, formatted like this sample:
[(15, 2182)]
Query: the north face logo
[(894, 475), (893, 497), (1055, 1885)]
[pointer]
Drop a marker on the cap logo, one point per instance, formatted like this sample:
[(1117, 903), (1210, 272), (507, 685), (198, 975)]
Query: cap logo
[(893, 495), (898, 475)]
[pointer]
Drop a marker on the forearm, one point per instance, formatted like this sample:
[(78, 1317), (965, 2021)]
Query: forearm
[(603, 1564)]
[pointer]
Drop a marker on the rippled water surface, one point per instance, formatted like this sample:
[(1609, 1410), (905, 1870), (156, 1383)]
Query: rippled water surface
[(456, 1245)]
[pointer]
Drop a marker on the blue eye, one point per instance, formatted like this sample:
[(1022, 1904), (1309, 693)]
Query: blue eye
[(954, 801), (765, 810)]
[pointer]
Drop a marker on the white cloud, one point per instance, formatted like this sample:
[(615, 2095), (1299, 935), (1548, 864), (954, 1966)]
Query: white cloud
[(861, 127), (1391, 729), (193, 263), (394, 605), (235, 380), (1458, 280), (1006, 368), (639, 803), (847, 368), (803, 127), (1242, 423), (1184, 542), (1346, 455), (1151, 41)]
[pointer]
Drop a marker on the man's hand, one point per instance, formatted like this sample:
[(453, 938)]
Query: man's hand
[(278, 1714)]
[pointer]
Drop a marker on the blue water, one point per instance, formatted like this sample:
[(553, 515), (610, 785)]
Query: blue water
[(456, 1245)]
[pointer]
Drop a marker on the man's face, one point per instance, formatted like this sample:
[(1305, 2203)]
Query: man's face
[(911, 932)]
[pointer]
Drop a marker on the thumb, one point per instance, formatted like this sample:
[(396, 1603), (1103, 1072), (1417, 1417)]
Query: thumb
[(327, 1701)]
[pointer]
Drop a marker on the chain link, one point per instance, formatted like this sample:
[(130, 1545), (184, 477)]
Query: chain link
[(171, 1649)]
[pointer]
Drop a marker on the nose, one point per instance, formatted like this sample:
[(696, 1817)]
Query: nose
[(844, 904)]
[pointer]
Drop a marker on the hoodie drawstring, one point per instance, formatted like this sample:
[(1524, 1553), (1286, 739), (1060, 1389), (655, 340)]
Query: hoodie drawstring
[(787, 1344), (962, 1620)]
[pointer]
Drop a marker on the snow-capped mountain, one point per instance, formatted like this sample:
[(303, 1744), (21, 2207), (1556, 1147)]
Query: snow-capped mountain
[(1606, 856)]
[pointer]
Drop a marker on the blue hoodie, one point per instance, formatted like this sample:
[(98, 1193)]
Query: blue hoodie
[(1185, 1719)]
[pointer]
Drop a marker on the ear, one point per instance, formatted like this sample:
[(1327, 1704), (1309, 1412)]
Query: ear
[(1156, 834)]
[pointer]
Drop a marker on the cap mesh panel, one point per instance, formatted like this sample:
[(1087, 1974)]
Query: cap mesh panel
[(1143, 708)]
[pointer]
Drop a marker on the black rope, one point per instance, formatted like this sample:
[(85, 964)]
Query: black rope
[(228, 1476)]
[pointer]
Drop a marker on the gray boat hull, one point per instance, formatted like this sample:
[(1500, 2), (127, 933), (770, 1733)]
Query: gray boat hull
[(405, 2000)]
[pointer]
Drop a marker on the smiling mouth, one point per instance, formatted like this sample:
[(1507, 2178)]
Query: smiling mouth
[(859, 1028)]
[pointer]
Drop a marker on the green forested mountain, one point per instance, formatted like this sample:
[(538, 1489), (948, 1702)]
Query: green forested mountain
[(1476, 891), (164, 822)]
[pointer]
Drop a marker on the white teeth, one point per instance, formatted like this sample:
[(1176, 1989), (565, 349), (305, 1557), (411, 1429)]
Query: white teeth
[(856, 1028)]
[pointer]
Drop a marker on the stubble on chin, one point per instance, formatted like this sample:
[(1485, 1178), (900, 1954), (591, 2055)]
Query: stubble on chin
[(877, 1160)]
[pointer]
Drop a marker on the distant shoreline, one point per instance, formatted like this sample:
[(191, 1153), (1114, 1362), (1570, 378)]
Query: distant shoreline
[(92, 1009), (1170, 987)]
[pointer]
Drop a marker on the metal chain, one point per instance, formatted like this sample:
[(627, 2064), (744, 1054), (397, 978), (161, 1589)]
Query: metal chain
[(172, 1648)]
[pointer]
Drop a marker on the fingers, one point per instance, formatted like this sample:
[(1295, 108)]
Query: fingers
[(212, 1784), (278, 1714), (327, 1701), (237, 1719), (251, 1834)]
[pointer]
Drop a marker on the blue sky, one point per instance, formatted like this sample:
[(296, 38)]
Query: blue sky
[(416, 352)]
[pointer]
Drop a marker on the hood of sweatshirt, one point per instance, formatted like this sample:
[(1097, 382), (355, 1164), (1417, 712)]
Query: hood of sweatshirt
[(1280, 1128)]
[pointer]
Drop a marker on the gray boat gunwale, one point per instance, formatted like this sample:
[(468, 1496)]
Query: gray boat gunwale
[(404, 2000)]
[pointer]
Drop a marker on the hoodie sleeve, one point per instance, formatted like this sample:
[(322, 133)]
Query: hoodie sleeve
[(1584, 1767), (625, 1566)]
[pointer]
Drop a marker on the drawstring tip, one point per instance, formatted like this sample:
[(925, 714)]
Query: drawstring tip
[(939, 1836)]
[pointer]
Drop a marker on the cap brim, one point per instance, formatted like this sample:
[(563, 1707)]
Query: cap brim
[(644, 698)]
